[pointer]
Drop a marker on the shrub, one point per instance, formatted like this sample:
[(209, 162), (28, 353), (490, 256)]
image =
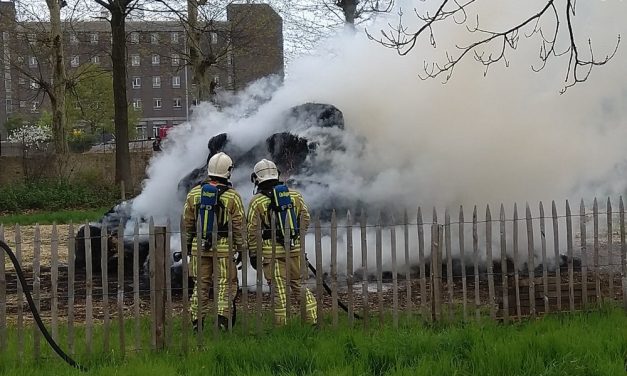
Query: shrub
[(55, 195)]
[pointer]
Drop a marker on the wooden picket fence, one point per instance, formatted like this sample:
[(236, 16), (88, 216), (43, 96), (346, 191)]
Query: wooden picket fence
[(434, 270)]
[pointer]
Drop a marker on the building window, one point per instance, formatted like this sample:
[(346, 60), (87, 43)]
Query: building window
[(216, 80), (156, 81), (155, 59), (94, 38), (137, 104), (176, 60), (176, 102), (21, 81), (135, 60), (34, 85), (176, 81), (73, 39), (75, 61), (95, 59), (154, 38), (141, 132), (214, 37), (137, 82), (195, 102), (32, 61), (175, 37), (34, 107), (156, 103), (22, 104), (9, 106), (134, 37)]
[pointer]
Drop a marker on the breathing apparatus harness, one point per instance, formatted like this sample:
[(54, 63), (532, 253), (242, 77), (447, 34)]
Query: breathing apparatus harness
[(282, 205), (33, 309), (209, 208)]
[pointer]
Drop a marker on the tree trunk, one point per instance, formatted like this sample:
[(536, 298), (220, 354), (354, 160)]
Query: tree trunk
[(118, 57), (349, 8), (57, 100), (202, 91)]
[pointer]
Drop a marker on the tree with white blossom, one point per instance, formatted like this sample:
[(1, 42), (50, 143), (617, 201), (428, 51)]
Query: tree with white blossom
[(32, 137)]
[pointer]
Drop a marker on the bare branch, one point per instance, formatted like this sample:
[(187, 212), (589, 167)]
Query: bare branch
[(578, 69)]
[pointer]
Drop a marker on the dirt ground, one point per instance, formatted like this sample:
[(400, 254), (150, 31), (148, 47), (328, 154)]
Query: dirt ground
[(27, 241)]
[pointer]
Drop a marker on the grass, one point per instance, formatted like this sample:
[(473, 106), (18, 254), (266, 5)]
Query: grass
[(50, 217), (579, 344)]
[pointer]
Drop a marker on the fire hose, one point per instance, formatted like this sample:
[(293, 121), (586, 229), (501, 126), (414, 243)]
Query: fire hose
[(33, 309), (330, 292)]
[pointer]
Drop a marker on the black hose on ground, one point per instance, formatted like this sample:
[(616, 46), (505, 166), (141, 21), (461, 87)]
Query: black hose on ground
[(329, 291), (33, 309)]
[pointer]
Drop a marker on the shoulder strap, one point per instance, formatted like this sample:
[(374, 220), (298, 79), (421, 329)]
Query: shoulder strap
[(210, 206), (283, 205)]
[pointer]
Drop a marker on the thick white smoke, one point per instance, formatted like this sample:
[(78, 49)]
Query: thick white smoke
[(507, 137)]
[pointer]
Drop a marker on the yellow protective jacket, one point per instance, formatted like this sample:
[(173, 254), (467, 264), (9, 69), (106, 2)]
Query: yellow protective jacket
[(259, 218), (233, 211)]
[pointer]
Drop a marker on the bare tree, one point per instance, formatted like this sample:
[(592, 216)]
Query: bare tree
[(216, 32), (40, 35), (551, 22), (118, 11), (57, 99)]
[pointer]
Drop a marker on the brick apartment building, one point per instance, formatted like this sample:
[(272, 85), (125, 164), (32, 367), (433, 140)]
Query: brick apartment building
[(159, 78)]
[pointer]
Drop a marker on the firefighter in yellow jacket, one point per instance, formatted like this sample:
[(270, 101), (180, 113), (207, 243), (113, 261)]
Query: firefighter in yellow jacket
[(227, 207), (273, 198)]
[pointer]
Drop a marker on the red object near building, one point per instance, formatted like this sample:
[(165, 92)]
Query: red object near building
[(164, 130)]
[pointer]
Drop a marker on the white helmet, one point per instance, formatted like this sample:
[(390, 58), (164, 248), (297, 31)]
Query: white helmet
[(220, 165), (264, 170)]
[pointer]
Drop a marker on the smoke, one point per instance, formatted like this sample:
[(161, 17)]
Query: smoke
[(503, 138)]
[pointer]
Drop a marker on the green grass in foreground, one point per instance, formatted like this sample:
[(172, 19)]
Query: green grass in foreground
[(59, 217), (580, 344)]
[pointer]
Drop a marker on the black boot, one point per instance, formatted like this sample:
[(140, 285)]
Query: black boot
[(223, 323), (195, 325)]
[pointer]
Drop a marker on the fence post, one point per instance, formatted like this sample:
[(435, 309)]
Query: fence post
[(556, 248), (364, 266), (379, 260), (516, 264), (436, 266), (475, 258), (463, 262), (623, 251), (584, 254), (120, 289), (569, 247), (423, 268), (610, 271), (531, 262), (36, 289), (489, 261), (504, 271), (449, 266), (159, 288), (136, 302), (3, 298)]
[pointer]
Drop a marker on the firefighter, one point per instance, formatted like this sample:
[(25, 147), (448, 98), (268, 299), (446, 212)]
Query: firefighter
[(227, 207), (273, 198)]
